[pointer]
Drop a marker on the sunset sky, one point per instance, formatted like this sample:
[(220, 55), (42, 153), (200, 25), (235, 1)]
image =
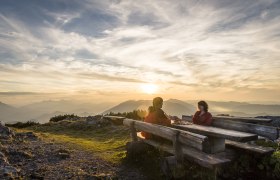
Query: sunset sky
[(113, 50)]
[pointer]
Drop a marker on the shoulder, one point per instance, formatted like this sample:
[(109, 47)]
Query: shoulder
[(197, 113), (160, 111), (209, 114)]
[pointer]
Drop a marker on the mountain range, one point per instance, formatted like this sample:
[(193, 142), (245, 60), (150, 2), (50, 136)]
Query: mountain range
[(42, 111), (178, 107)]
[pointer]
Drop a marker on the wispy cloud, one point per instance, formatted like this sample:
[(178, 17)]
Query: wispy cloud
[(193, 46)]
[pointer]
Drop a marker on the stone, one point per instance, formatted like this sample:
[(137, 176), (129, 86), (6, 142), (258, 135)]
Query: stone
[(6, 133), (9, 170), (27, 135), (63, 153)]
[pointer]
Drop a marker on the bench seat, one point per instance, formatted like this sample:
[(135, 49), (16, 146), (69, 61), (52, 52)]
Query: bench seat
[(206, 160), (250, 148)]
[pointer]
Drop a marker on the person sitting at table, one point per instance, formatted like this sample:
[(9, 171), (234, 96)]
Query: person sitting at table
[(156, 116), (202, 116)]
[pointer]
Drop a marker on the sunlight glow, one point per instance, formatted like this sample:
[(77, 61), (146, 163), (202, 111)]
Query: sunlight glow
[(149, 88)]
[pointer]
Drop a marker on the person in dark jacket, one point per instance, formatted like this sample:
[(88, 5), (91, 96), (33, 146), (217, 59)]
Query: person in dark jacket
[(202, 116), (156, 116)]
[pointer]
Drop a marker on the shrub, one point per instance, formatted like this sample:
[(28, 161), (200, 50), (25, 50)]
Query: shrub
[(63, 117), (23, 124), (136, 114)]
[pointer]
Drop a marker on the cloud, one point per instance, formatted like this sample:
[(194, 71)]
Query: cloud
[(212, 45)]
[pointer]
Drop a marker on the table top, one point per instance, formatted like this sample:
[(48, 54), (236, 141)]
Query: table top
[(218, 132), (233, 118)]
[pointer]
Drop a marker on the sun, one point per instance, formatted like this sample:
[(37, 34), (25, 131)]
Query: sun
[(149, 88)]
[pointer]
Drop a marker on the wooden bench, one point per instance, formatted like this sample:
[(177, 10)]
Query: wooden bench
[(185, 145), (196, 141), (201, 158)]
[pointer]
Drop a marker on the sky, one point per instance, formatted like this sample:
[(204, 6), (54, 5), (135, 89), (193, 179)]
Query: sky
[(114, 50)]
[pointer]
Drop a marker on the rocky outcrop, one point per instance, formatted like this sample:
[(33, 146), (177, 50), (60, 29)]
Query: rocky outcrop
[(7, 138), (6, 133)]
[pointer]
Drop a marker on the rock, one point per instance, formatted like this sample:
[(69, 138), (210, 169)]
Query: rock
[(63, 153), (9, 170), (36, 176), (6, 133), (27, 135), (3, 159), (20, 154)]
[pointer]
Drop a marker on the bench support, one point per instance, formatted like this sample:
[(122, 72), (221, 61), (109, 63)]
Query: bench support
[(178, 149), (216, 145), (133, 132)]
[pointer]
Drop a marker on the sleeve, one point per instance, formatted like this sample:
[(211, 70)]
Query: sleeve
[(208, 120), (195, 118), (164, 120)]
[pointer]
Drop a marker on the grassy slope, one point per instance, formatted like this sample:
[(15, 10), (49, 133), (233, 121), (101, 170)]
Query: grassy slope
[(106, 142)]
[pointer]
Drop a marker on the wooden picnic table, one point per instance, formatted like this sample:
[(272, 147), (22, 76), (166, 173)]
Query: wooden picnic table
[(217, 136)]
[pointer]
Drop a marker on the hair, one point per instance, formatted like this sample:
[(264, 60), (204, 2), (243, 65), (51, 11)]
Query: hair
[(204, 104), (156, 101)]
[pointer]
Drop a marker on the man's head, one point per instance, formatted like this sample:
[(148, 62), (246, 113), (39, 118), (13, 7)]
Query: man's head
[(158, 102)]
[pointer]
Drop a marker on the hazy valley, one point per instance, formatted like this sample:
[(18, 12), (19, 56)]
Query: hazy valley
[(42, 111)]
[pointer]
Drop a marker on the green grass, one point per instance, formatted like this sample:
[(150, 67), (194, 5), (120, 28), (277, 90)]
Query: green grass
[(106, 142)]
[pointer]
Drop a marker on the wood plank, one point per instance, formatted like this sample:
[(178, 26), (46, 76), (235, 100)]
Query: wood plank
[(133, 132), (261, 130), (201, 158), (197, 141), (177, 146), (249, 147), (241, 119), (244, 119), (218, 132)]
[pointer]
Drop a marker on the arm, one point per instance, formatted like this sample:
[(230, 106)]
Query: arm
[(163, 118), (195, 118), (208, 120)]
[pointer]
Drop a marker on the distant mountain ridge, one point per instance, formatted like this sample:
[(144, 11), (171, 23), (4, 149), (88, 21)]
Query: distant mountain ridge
[(178, 107), (42, 111)]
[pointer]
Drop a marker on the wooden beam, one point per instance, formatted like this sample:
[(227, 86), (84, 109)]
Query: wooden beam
[(261, 130), (178, 149), (218, 132), (133, 132), (191, 154), (259, 150), (243, 119), (196, 141)]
